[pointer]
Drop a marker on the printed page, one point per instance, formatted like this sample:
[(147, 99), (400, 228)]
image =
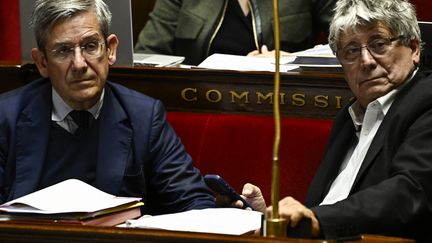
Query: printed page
[(318, 50), (317, 59), (231, 221), (70, 196), (243, 63)]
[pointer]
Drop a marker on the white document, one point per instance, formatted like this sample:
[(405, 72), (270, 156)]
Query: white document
[(243, 63), (318, 50), (70, 196), (232, 221), (318, 56), (318, 59)]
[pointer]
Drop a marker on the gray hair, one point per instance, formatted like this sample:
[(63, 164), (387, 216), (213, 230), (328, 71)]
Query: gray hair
[(398, 15), (47, 13)]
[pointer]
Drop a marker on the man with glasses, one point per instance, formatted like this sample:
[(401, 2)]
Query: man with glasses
[(72, 123), (376, 174)]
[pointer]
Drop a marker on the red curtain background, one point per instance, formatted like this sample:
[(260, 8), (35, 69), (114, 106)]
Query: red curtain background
[(424, 9), (10, 30)]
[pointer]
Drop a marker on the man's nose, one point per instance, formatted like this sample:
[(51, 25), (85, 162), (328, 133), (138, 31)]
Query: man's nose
[(366, 56), (78, 59)]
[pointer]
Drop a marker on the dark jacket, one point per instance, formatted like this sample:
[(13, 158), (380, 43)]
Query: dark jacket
[(139, 153), (392, 193)]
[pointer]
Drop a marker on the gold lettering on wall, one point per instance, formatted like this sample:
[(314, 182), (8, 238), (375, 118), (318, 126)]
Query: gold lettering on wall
[(192, 97), (338, 102), (235, 96), (298, 99), (282, 98), (261, 96), (214, 96), (321, 101)]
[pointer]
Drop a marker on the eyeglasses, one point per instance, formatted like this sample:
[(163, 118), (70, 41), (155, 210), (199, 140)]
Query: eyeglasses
[(89, 50), (377, 48)]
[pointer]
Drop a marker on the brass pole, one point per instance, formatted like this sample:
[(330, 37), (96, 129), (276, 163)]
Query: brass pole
[(275, 226)]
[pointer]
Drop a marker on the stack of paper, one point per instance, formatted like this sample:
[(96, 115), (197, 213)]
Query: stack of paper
[(242, 63), (230, 221), (319, 58), (72, 201)]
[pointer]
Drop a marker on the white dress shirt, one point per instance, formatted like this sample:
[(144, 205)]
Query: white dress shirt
[(61, 110)]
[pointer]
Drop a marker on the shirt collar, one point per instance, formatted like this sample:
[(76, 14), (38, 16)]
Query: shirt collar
[(357, 112), (61, 109)]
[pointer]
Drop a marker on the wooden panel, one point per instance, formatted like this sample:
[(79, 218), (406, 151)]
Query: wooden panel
[(316, 95), (53, 232)]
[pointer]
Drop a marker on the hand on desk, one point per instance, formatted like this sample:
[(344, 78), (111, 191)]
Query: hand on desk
[(289, 208), (294, 211), (265, 53)]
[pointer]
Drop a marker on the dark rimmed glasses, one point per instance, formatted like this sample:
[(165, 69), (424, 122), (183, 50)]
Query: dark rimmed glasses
[(378, 48), (89, 50)]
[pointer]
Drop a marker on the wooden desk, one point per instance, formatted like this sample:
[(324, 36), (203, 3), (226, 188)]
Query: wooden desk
[(306, 94), (44, 232)]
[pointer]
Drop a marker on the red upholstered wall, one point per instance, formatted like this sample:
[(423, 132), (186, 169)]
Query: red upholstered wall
[(10, 30), (424, 9), (239, 148)]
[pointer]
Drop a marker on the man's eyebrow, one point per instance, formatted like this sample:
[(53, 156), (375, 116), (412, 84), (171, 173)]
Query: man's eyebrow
[(372, 37), (350, 43), (379, 35), (64, 43), (94, 36)]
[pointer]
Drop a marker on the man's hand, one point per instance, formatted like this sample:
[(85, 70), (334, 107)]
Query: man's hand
[(289, 208), (252, 194), (294, 211), (265, 53)]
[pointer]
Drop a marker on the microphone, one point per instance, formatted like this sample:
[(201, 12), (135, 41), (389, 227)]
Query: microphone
[(276, 226)]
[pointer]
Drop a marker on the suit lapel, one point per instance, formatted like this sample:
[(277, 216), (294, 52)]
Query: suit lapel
[(331, 163), (336, 155), (115, 138), (32, 134)]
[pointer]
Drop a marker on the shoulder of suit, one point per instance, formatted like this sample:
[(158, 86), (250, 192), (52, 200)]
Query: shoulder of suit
[(128, 93), (38, 86)]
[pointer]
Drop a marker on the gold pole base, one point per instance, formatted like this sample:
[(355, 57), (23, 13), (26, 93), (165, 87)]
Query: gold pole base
[(275, 228)]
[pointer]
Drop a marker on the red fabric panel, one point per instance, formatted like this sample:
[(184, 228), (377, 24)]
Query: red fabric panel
[(10, 30), (191, 128), (423, 8), (239, 148)]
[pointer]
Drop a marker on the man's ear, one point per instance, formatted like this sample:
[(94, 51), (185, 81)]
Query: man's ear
[(112, 42), (40, 60), (415, 47)]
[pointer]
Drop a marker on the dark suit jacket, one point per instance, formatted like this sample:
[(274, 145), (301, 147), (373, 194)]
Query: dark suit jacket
[(392, 193), (139, 153)]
